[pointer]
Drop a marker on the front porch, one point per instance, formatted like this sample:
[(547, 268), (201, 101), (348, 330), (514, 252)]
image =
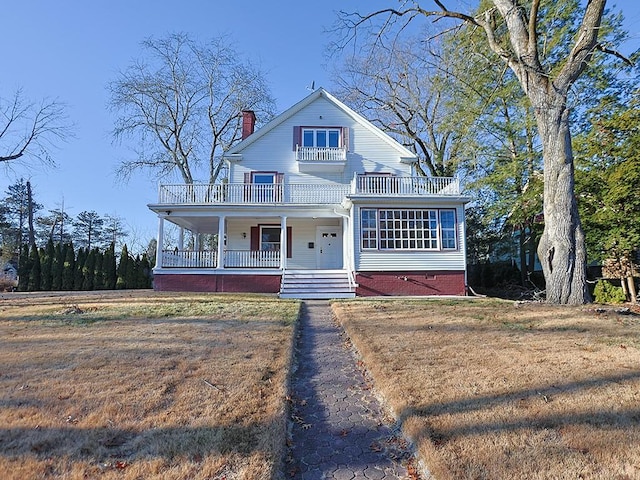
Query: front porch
[(201, 240)]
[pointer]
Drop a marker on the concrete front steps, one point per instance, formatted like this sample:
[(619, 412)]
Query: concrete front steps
[(316, 284)]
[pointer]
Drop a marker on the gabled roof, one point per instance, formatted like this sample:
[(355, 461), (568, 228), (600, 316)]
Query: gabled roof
[(406, 154)]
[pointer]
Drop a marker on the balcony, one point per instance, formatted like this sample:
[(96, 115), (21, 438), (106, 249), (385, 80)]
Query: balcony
[(306, 194), (321, 159), (389, 185)]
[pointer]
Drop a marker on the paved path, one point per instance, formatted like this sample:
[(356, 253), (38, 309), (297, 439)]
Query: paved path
[(336, 423)]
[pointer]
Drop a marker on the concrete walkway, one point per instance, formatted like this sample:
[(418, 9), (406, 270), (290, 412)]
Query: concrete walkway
[(337, 426)]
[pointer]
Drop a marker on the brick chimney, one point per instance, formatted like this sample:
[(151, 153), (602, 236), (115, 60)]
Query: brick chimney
[(248, 123)]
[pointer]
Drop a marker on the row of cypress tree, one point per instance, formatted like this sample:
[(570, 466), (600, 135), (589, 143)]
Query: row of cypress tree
[(61, 267)]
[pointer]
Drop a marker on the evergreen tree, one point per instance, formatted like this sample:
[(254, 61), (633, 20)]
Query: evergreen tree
[(109, 267), (18, 209), (35, 276), (98, 281), (24, 269), (131, 274), (88, 270), (87, 230), (144, 273), (48, 261), (78, 274), (608, 175), (68, 269), (58, 267), (123, 265)]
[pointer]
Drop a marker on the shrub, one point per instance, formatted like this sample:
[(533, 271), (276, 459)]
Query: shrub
[(606, 292)]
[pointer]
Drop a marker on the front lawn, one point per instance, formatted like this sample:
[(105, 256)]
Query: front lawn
[(501, 390), (132, 385)]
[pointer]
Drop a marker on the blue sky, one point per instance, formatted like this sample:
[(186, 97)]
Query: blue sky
[(71, 49)]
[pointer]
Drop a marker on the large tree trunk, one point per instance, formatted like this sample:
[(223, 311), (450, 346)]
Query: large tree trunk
[(561, 250)]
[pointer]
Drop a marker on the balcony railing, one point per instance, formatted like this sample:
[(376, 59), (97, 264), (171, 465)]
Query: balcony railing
[(241, 193), (320, 154), (389, 185), (232, 259), (309, 194)]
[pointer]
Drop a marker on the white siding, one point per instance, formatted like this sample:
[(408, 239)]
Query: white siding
[(377, 260), (235, 228), (274, 151)]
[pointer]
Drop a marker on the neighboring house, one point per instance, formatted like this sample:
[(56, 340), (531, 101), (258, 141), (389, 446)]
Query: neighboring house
[(9, 274), (319, 203)]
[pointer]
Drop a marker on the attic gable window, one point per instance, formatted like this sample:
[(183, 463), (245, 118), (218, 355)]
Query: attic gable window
[(321, 137)]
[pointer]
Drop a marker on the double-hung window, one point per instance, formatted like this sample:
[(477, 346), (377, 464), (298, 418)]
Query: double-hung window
[(369, 229), (408, 229), (448, 229), (270, 239)]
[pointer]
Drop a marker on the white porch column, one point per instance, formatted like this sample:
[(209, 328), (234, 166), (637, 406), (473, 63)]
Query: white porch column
[(283, 242), (346, 252), (181, 239), (220, 259), (160, 244)]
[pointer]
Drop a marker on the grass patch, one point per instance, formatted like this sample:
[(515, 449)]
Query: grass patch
[(132, 385), (492, 390)]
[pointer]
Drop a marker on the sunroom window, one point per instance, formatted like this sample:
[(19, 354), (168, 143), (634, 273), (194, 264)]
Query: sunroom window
[(448, 229), (407, 229)]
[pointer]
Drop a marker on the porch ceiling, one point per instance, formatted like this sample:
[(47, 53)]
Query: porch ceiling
[(209, 224), (203, 219), (196, 224)]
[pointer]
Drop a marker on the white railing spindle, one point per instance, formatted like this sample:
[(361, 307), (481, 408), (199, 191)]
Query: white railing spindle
[(251, 259)]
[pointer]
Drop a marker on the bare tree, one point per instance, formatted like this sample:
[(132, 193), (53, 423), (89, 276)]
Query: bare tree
[(511, 31), (407, 90), (182, 104), (30, 129), (115, 230)]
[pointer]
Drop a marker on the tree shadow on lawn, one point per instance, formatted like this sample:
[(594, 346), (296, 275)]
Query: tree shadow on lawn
[(598, 417)]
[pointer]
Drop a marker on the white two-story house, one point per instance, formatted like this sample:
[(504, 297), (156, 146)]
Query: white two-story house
[(319, 203)]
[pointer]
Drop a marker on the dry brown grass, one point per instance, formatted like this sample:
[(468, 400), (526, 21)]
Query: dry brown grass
[(497, 390), (143, 385)]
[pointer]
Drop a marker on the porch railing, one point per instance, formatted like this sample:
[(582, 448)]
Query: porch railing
[(252, 259), (189, 258), (320, 154), (232, 259)]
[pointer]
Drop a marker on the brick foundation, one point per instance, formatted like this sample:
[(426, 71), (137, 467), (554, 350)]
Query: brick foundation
[(217, 283), (410, 283)]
